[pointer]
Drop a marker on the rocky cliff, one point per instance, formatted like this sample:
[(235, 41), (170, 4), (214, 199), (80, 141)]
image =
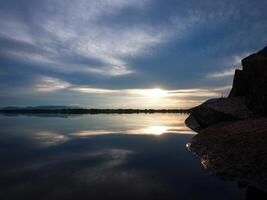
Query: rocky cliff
[(247, 99), (232, 131), (251, 82)]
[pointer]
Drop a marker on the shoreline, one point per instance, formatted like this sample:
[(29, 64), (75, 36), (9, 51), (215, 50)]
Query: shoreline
[(90, 111)]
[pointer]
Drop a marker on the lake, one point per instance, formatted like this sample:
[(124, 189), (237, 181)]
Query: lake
[(134, 156)]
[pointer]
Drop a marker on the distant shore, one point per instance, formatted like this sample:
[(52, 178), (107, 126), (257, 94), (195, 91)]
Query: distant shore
[(88, 111)]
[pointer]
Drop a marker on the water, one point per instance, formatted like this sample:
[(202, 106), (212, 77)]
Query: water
[(137, 156)]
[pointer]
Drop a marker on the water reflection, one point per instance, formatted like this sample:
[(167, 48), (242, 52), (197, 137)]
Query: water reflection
[(50, 138), (156, 130), (150, 130), (52, 131), (239, 157), (103, 157)]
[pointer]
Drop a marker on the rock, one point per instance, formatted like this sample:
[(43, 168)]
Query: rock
[(248, 97), (217, 110), (251, 82), (232, 131), (193, 123), (235, 151), (239, 85)]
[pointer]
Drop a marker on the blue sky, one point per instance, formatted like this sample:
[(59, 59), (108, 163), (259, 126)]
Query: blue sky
[(124, 53)]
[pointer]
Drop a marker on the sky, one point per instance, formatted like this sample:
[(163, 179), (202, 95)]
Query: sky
[(124, 53)]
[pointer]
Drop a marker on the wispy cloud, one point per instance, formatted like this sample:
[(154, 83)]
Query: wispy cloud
[(234, 62), (77, 30), (12, 28), (90, 90), (102, 46), (66, 30), (155, 97), (222, 74), (154, 92), (49, 84), (236, 59)]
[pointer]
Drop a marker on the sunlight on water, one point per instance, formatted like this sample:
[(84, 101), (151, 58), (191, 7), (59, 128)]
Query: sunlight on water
[(156, 130), (151, 130), (56, 130), (141, 124)]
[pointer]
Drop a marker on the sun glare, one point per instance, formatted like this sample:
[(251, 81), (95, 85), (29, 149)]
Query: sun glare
[(156, 130), (156, 93)]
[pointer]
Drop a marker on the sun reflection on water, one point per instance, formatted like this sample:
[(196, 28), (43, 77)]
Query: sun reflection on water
[(150, 130), (156, 130), (87, 126)]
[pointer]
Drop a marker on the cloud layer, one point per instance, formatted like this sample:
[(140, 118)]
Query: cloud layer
[(70, 50)]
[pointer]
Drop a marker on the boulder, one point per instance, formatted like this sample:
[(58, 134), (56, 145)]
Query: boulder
[(215, 111)]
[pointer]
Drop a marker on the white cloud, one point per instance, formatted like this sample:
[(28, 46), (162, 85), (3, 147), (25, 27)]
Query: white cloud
[(91, 90), (234, 62), (78, 29), (31, 57), (155, 97), (50, 61), (222, 74), (49, 84), (11, 28), (74, 30), (112, 45), (148, 97), (153, 92)]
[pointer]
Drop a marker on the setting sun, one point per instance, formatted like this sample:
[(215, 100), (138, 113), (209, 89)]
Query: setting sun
[(156, 93)]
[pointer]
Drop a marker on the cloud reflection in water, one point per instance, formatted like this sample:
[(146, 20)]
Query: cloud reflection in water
[(102, 157)]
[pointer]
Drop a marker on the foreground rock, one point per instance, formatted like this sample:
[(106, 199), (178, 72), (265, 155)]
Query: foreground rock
[(235, 151), (232, 139), (218, 110), (247, 99)]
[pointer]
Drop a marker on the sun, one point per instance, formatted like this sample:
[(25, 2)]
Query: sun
[(156, 93)]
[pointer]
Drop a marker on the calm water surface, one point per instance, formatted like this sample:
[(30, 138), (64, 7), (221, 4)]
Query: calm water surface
[(137, 156)]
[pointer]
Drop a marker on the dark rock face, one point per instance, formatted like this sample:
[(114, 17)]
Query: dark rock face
[(233, 131), (248, 97), (251, 82), (239, 85), (217, 110)]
